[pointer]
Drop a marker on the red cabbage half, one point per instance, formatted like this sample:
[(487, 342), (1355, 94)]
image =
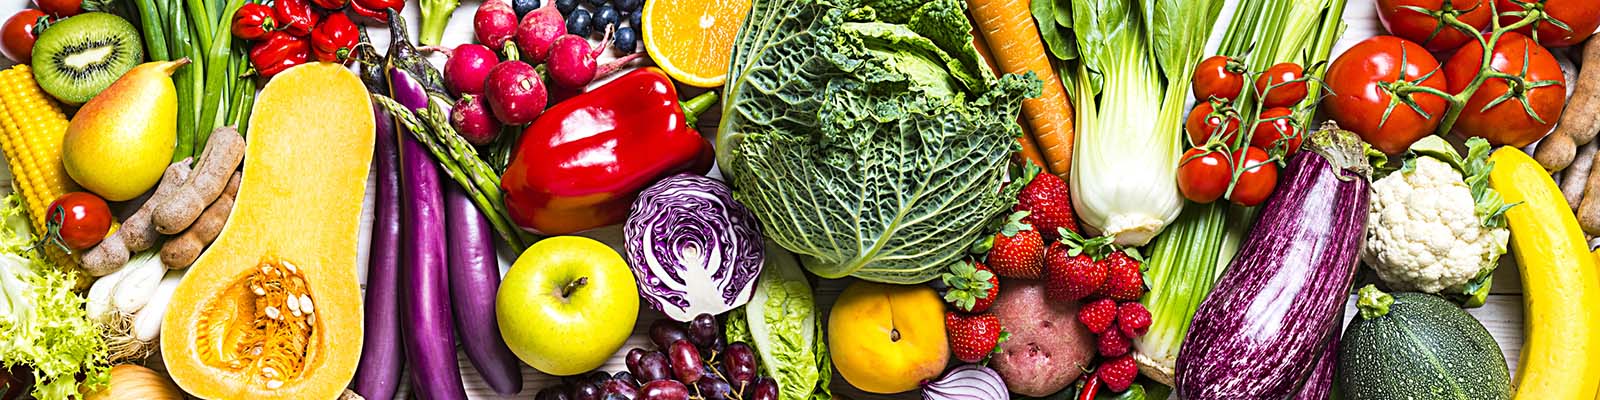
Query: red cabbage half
[(693, 248)]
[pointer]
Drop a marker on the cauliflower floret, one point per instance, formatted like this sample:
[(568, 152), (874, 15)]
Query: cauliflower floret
[(1423, 234)]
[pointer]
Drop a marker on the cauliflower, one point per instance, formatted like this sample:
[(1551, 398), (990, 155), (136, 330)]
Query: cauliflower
[(1424, 232)]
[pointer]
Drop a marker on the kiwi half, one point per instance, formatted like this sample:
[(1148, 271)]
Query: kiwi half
[(76, 58)]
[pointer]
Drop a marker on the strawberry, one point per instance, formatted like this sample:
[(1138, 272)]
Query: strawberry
[(1070, 277), (973, 287), (973, 336), (1117, 373), (1133, 319), (1124, 277), (1113, 344), (1049, 203), (1098, 315), (1018, 250)]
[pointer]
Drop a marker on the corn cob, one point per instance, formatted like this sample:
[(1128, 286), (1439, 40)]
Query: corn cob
[(32, 129)]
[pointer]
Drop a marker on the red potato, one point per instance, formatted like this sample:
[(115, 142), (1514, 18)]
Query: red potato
[(1048, 348)]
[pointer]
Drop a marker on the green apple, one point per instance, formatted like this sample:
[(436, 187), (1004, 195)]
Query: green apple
[(567, 304)]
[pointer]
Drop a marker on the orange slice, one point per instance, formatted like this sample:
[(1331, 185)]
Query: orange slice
[(692, 40)]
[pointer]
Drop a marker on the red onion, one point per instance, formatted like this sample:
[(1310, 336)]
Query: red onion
[(967, 382)]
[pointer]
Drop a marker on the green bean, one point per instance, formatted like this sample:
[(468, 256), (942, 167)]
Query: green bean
[(155, 39), (217, 79)]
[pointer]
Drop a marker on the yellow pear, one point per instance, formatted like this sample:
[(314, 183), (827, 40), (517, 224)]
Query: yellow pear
[(122, 139)]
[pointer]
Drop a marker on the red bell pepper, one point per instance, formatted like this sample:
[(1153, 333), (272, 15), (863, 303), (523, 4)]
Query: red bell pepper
[(295, 16), (334, 39), (332, 5), (582, 163), (374, 9), (277, 52), (253, 21)]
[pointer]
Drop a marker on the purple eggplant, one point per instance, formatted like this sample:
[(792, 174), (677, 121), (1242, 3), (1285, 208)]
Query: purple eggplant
[(474, 279), (378, 375), (1319, 386), (1257, 336)]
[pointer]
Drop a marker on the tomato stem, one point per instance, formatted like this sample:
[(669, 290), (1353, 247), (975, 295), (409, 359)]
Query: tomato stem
[(1458, 101)]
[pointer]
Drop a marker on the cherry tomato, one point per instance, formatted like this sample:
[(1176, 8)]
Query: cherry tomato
[(1218, 76), (1581, 16), (1205, 121), (1285, 84), (1256, 178), (1508, 123), (1277, 125), (1363, 82), (1400, 19), (78, 220), (1203, 175), (17, 36), (61, 8)]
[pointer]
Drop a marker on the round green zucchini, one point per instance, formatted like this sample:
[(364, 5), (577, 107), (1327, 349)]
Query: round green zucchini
[(1417, 346)]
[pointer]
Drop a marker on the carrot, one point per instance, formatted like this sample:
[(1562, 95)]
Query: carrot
[(1030, 150), (1017, 48)]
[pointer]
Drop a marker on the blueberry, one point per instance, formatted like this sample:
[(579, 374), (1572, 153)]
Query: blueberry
[(629, 5), (578, 22), (605, 17), (633, 20), (566, 6), (522, 7), (596, 3), (625, 40)]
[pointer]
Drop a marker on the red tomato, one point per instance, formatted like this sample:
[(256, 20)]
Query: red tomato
[(1286, 84), (1218, 76), (1277, 125), (1581, 16), (1205, 121), (1203, 175), (17, 36), (1508, 123), (78, 220), (1257, 177), (61, 8), (1362, 81), (1401, 20)]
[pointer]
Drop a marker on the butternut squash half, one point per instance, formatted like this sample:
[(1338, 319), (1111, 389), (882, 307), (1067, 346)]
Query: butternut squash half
[(273, 310)]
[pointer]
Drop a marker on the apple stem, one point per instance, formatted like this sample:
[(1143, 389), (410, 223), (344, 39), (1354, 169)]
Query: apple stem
[(566, 291), (894, 335)]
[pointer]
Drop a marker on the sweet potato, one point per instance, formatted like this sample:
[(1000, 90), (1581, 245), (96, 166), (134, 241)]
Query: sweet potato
[(1048, 348), (182, 250), (138, 232), (223, 153)]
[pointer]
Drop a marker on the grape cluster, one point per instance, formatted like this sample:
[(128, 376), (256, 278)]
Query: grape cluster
[(594, 17), (691, 361)]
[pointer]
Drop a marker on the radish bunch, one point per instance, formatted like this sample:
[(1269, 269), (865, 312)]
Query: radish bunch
[(494, 92)]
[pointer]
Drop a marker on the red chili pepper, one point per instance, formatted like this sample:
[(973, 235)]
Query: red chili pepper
[(374, 8), (295, 16), (277, 52), (582, 163), (253, 21), (1090, 388), (334, 39), (330, 4)]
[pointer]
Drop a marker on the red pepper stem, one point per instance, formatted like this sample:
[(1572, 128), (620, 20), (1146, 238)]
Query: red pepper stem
[(697, 105)]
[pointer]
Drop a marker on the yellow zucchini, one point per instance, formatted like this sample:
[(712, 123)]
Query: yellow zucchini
[(1560, 285)]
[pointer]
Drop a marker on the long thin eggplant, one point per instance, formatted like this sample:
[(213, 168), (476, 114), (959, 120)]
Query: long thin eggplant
[(474, 279), (1319, 386), (382, 357), (403, 56), (426, 314), (1257, 336)]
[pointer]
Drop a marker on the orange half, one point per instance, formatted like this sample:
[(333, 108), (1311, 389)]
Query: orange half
[(692, 40)]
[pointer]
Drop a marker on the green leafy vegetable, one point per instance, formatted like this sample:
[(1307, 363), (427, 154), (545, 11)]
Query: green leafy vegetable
[(782, 324), (43, 323), (867, 135)]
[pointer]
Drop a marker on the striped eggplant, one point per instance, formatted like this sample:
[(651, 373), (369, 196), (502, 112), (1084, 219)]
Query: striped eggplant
[(1260, 333)]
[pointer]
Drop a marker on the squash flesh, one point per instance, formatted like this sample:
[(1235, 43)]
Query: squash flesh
[(305, 170)]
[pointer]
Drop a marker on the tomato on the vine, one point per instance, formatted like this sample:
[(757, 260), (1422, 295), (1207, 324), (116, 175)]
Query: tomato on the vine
[(1499, 110), (1365, 80), (1405, 18), (1580, 16), (1203, 175), (1257, 176), (1277, 125), (1220, 77), (1282, 85), (78, 220), (17, 35), (61, 8), (1206, 121)]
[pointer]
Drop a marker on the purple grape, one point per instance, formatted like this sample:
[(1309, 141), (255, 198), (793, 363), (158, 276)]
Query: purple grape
[(665, 331), (766, 389), (585, 391), (740, 361), (624, 376), (557, 392), (632, 361), (716, 347), (703, 329), (686, 362), (713, 388), (616, 389), (664, 390), (653, 366), (597, 378)]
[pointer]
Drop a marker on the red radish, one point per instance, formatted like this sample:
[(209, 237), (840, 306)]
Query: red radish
[(495, 23), (572, 64), (515, 92), (539, 30), (467, 69), (472, 121)]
